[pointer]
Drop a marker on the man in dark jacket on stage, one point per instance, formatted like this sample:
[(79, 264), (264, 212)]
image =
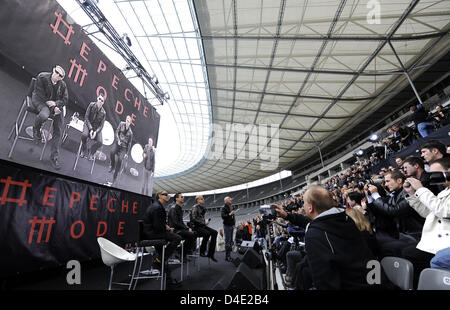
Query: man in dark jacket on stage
[(155, 227), (200, 226), (229, 221), (337, 254), (94, 120), (149, 167), (175, 220), (122, 146)]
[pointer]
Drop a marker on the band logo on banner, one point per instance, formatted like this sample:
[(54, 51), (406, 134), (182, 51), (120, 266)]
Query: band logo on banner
[(94, 111), (78, 73), (53, 213)]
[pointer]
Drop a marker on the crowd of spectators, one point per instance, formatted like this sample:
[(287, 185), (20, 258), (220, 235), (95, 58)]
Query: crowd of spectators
[(424, 122), (324, 238)]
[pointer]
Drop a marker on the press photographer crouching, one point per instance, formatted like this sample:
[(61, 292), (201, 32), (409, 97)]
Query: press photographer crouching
[(436, 211), (336, 252)]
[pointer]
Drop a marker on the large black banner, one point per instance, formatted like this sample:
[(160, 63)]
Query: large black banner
[(35, 37), (46, 221)]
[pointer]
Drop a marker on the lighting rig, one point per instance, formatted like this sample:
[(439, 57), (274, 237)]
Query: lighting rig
[(122, 47)]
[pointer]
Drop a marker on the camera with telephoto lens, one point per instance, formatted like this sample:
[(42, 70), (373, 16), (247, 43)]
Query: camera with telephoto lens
[(377, 183), (437, 178)]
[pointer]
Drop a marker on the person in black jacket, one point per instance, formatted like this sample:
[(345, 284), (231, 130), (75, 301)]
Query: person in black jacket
[(408, 223), (415, 167), (149, 167), (49, 97), (155, 227), (403, 135), (420, 117), (94, 120), (201, 229), (122, 146), (175, 220), (229, 221), (442, 116), (337, 254), (433, 150), (240, 235)]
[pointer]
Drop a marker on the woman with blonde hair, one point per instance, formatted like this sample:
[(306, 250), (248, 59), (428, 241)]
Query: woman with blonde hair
[(363, 225)]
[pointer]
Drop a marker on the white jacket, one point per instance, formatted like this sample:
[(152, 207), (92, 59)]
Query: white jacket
[(436, 210), (220, 243)]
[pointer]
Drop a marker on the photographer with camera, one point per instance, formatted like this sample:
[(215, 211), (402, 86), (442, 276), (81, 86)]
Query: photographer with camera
[(436, 210), (397, 224), (331, 239), (414, 167), (441, 116)]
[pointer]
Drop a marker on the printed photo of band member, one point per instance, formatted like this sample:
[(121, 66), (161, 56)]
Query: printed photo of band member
[(48, 100), (80, 144)]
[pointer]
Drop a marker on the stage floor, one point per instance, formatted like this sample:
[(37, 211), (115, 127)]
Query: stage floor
[(95, 276)]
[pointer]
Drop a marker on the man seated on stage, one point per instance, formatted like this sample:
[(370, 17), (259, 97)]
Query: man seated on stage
[(124, 138), (175, 220), (200, 227), (49, 98), (93, 125), (155, 227)]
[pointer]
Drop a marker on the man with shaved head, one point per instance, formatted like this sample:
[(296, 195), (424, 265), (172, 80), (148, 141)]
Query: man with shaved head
[(229, 221), (50, 96), (337, 253)]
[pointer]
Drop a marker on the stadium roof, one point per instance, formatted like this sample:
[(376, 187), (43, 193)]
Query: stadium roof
[(311, 68)]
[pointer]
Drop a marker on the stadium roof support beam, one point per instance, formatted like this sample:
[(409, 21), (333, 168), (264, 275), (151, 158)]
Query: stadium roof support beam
[(264, 93), (306, 70), (314, 38), (119, 46), (400, 21), (281, 113), (405, 72)]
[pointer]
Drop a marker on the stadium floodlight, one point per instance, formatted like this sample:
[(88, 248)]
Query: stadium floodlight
[(359, 152), (374, 138)]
